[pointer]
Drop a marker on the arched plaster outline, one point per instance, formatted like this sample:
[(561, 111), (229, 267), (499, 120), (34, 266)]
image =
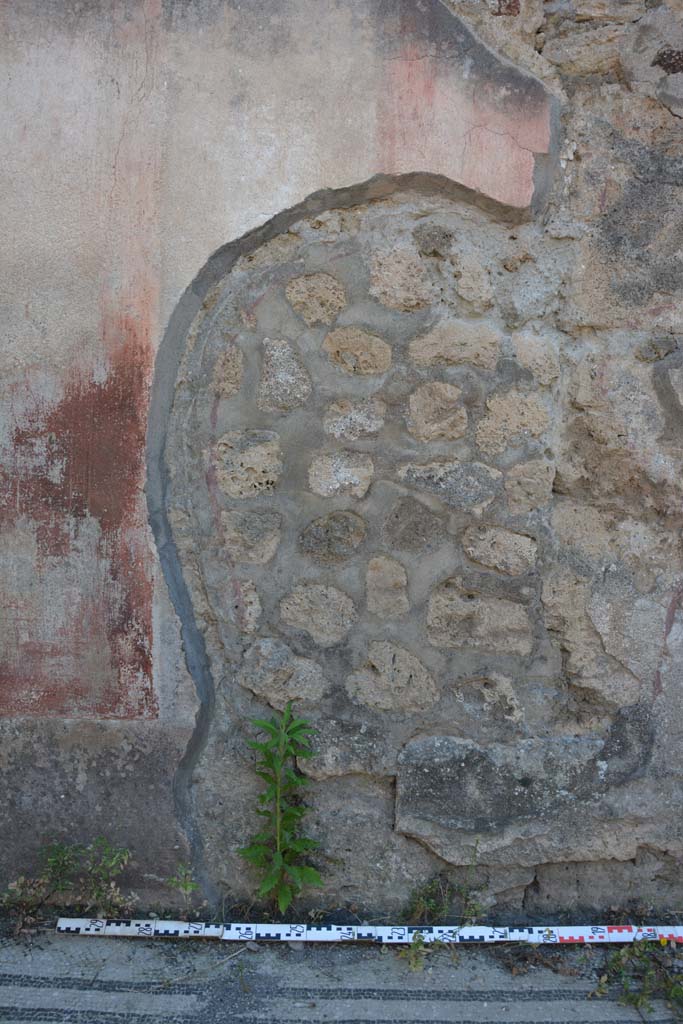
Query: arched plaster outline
[(166, 367)]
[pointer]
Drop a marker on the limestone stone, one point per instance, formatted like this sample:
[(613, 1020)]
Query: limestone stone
[(386, 587), (346, 747), (398, 280), (583, 527), (529, 486), (357, 351), (538, 355), (470, 486), (435, 414), (498, 693), (317, 298), (251, 537), (512, 416), (453, 342), (632, 626), (459, 617), (325, 613), (473, 283), (245, 606), (412, 526), (393, 679), (248, 462), (350, 420), (384, 856), (272, 671), (589, 666), (342, 472), (433, 240), (333, 538), (496, 548), (514, 801), (228, 371), (285, 382)]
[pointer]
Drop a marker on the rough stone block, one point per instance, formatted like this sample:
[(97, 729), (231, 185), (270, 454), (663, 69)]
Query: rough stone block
[(317, 298), (459, 617), (470, 486), (412, 526), (248, 462), (386, 587), (333, 538), (325, 613), (529, 486), (285, 382), (341, 473), (398, 280), (508, 552), (435, 414), (273, 672), (512, 416), (356, 351), (392, 679), (250, 536), (453, 342), (351, 420)]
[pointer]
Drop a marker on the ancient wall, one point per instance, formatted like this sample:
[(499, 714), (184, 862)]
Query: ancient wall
[(412, 457)]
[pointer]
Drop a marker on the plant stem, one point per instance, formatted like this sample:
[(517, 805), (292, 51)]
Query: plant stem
[(278, 791)]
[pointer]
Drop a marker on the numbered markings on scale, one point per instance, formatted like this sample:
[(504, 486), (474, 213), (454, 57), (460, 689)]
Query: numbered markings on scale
[(397, 934), (442, 933), (271, 932), (81, 925), (387, 934), (176, 930), (239, 932), (140, 929), (577, 934), (330, 933)]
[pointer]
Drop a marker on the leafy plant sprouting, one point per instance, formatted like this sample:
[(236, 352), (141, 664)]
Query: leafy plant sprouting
[(645, 971), (184, 882), (25, 897), (101, 865), (279, 850), (74, 874)]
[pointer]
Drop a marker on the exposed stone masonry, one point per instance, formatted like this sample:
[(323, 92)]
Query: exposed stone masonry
[(406, 500)]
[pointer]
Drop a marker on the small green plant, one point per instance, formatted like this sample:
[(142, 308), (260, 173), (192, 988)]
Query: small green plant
[(644, 971), (184, 882), (416, 953), (101, 865), (73, 874), (25, 897), (279, 850), (430, 903)]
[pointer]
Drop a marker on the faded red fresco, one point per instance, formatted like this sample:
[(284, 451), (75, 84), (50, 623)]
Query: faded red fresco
[(79, 460), (76, 628), (431, 115)]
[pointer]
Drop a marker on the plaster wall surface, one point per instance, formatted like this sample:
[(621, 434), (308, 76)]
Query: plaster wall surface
[(140, 137)]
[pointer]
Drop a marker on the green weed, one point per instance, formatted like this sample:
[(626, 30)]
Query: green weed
[(279, 851)]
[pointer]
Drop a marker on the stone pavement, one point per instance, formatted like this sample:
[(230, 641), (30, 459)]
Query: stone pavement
[(121, 981)]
